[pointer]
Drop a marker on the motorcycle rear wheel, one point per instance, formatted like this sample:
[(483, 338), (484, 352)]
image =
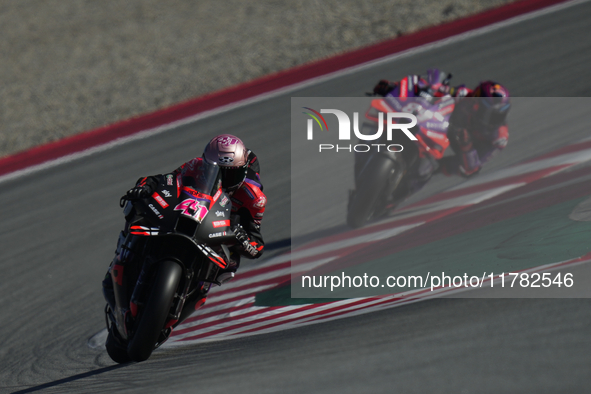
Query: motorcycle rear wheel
[(154, 313), (372, 183)]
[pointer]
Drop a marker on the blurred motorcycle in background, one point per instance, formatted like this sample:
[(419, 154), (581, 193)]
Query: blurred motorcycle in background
[(385, 177)]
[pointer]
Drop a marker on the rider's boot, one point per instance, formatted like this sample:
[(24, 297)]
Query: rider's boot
[(228, 273)]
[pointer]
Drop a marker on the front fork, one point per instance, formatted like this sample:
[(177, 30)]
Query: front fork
[(125, 253), (182, 300), (395, 177)]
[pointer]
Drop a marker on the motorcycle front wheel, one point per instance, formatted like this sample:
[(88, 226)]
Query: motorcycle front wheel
[(155, 311), (372, 183), (116, 349)]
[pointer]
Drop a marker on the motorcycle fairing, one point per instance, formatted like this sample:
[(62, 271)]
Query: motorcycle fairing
[(202, 217), (432, 118)]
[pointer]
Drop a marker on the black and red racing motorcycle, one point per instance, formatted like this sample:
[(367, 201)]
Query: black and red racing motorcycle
[(176, 242)]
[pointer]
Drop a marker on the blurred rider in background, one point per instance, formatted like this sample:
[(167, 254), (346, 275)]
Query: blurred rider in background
[(240, 170), (477, 127)]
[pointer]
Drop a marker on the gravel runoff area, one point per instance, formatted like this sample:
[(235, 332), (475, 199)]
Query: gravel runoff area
[(67, 66)]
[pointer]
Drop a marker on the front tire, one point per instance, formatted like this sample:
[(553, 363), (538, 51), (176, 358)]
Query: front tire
[(155, 311), (372, 182), (117, 349)]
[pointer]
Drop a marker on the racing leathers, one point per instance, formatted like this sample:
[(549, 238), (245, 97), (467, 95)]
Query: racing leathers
[(473, 143)]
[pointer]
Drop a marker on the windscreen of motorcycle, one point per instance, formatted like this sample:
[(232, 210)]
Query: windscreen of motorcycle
[(199, 186), (189, 196), (201, 176)]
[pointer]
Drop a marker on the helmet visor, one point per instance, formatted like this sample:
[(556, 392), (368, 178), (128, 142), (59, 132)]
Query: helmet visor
[(232, 177), (493, 115)]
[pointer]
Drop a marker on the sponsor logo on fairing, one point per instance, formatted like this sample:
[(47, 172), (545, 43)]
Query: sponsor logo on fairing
[(197, 195), (220, 213), (160, 200), (157, 212), (169, 180), (166, 193), (214, 235), (345, 130), (220, 223), (224, 201), (403, 88)]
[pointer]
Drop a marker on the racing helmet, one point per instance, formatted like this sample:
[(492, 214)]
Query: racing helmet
[(493, 106), (231, 155)]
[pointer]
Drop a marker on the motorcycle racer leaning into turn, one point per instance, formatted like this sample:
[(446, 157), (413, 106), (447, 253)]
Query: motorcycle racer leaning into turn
[(477, 126), (240, 177)]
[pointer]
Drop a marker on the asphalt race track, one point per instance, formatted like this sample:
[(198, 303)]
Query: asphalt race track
[(59, 228)]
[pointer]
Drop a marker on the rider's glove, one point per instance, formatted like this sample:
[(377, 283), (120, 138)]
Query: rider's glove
[(244, 241), (138, 192), (240, 234), (383, 87)]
